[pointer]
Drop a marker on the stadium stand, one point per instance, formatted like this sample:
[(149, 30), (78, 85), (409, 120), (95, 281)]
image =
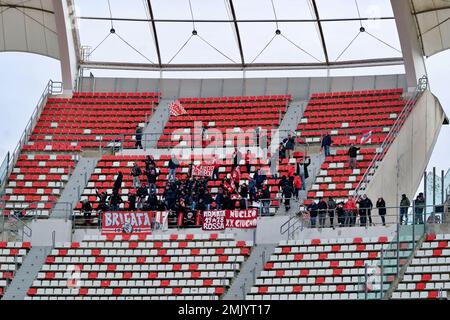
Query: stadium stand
[(348, 117), (66, 127), (11, 258), (227, 113), (325, 269), (428, 274), (108, 167), (170, 267)]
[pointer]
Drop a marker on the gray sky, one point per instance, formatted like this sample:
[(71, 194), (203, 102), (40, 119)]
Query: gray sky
[(23, 78)]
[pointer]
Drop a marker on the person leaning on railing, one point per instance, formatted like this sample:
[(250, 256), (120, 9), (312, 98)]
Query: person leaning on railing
[(381, 206), (404, 206), (419, 206)]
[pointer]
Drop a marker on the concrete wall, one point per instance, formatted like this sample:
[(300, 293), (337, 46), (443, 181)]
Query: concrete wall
[(299, 88), (43, 230), (402, 169)]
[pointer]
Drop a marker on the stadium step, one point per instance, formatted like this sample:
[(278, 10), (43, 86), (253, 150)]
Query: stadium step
[(250, 270), (74, 188), (25, 276), (155, 127)]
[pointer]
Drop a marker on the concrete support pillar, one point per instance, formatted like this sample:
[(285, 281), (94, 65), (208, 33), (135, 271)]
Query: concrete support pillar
[(68, 49), (411, 47)]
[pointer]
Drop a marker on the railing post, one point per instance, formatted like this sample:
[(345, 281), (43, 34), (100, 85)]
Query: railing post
[(382, 273), (366, 279)]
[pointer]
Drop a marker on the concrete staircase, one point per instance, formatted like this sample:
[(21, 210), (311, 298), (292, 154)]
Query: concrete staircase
[(250, 271), (158, 121), (74, 188), (27, 273), (314, 169)]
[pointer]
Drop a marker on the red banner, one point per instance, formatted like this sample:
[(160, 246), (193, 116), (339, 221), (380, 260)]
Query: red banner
[(214, 220), (202, 171), (242, 219), (127, 222), (230, 219)]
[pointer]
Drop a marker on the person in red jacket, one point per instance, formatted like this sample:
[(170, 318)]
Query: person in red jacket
[(236, 178), (297, 185), (350, 212), (291, 171), (247, 162)]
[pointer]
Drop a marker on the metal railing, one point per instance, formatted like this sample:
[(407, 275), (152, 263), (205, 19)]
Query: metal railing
[(52, 88), (412, 216), (393, 133)]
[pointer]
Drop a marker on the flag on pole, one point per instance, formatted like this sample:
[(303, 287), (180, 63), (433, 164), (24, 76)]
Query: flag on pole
[(176, 109), (366, 138)]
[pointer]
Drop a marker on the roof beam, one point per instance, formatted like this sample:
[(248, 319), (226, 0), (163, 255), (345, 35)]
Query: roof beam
[(13, 6), (238, 35), (155, 33), (322, 37), (235, 67), (231, 21)]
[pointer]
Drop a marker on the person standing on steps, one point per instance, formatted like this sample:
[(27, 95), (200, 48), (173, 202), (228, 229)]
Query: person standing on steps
[(289, 144), (353, 156), (419, 206), (139, 137), (136, 172), (302, 170), (404, 206), (326, 144), (331, 210), (381, 206)]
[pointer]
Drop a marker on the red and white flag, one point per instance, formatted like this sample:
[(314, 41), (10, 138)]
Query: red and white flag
[(366, 138), (176, 109)]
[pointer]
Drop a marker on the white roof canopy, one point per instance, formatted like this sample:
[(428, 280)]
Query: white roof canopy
[(238, 34), (28, 26), (433, 22)]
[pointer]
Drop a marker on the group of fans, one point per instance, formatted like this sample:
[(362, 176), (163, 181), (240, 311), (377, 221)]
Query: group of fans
[(346, 214), (188, 195)]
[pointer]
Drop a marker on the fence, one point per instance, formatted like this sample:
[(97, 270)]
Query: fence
[(52, 88), (390, 138), (403, 216)]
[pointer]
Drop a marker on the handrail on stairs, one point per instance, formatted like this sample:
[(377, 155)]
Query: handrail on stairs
[(390, 138), (52, 88)]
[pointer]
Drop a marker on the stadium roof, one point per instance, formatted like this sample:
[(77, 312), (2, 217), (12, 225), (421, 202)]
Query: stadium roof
[(224, 34), (239, 33), (433, 22)]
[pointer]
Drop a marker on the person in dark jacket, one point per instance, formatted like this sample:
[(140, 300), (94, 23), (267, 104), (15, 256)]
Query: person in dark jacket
[(132, 202), (142, 194), (136, 173), (326, 144), (404, 206), (353, 156), (118, 183), (312, 210), (149, 160), (340, 211), (381, 206), (102, 201), (237, 157), (265, 196), (139, 138), (281, 152), (331, 210), (173, 165), (152, 176), (302, 171), (365, 208), (322, 207), (115, 200), (287, 195), (419, 206), (289, 144), (260, 178), (86, 207)]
